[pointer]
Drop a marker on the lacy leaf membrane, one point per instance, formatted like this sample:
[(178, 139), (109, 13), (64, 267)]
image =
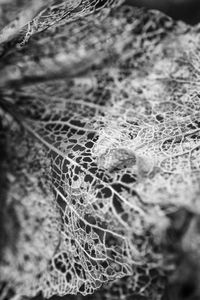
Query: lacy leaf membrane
[(108, 150)]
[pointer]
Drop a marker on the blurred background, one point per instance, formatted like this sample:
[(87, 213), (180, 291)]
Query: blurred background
[(187, 10)]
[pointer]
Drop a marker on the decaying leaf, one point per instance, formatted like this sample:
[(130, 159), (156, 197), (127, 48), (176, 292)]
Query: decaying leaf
[(107, 108)]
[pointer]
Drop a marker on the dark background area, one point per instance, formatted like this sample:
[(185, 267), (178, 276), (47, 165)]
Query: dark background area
[(187, 10)]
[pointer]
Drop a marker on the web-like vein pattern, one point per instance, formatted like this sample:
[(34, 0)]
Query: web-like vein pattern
[(122, 144)]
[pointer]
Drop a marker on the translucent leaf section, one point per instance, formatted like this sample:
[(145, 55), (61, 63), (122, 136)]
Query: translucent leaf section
[(103, 219)]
